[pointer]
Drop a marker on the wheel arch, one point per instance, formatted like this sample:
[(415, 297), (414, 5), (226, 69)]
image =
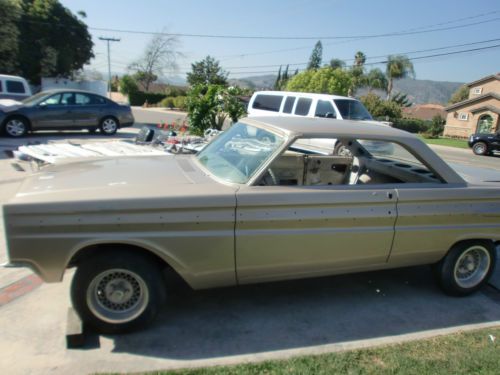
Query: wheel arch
[(172, 268), (494, 243), (114, 117), (18, 115)]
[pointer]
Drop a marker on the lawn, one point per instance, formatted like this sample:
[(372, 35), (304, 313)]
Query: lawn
[(462, 353), (450, 142)]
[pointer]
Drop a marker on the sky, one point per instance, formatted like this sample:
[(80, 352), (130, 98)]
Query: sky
[(465, 22)]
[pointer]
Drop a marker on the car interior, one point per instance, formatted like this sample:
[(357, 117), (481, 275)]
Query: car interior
[(302, 165)]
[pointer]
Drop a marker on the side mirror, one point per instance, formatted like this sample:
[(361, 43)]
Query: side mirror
[(42, 105)]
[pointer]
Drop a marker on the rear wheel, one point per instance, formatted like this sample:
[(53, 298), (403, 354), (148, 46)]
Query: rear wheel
[(467, 267), (480, 148), (16, 127), (117, 291), (109, 125)]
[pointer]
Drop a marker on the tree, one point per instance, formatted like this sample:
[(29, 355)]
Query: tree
[(207, 71), (337, 64), (277, 83), (316, 56), (401, 99), (376, 79), (398, 66), (437, 126), (52, 41), (9, 36), (381, 108), (359, 59), (282, 79), (159, 56), (325, 80), (461, 94), (128, 85)]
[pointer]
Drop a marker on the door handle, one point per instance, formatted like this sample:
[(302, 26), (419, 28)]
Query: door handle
[(389, 195)]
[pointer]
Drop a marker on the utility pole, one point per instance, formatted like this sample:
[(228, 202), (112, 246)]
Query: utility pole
[(109, 61)]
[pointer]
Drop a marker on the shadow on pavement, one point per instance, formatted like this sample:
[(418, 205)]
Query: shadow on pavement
[(288, 315)]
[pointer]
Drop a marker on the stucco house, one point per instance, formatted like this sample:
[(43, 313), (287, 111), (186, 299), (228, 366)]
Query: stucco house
[(424, 112), (480, 113)]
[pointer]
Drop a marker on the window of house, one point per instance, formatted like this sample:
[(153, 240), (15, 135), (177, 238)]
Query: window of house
[(15, 87), (463, 116), (478, 90), (268, 102), (289, 102), (303, 105)]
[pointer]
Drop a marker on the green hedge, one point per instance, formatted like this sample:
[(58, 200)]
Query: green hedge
[(410, 125), (140, 97)]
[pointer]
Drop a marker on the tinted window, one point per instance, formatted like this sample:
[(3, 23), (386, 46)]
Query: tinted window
[(0, 86), (303, 106), (268, 102), (82, 99), (325, 109), (352, 110), (15, 87), (68, 98), (289, 104), (94, 99)]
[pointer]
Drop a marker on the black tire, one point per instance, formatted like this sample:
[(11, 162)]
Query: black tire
[(341, 150), (109, 125), (16, 127), (118, 291), (480, 148), (477, 257)]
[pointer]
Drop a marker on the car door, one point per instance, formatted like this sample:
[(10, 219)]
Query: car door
[(298, 231), (86, 111), (52, 113)]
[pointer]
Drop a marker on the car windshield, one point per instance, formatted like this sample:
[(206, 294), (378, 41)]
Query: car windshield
[(352, 110), (35, 98), (237, 154)]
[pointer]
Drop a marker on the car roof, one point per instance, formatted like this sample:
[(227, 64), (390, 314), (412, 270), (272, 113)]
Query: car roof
[(56, 91), (303, 95)]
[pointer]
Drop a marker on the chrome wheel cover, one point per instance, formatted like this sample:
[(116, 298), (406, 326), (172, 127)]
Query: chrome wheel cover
[(15, 128), (344, 151), (117, 296), (472, 266), (109, 125)]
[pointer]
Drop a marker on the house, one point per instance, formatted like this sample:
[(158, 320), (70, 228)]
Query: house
[(480, 113), (424, 111)]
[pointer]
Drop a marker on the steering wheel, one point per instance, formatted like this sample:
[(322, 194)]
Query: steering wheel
[(269, 175)]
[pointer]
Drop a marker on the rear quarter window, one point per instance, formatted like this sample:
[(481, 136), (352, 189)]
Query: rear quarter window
[(15, 87), (289, 102), (303, 106), (268, 102)]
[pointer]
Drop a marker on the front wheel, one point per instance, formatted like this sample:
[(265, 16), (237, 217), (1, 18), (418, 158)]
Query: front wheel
[(16, 127), (480, 148), (466, 267), (109, 126), (117, 291)]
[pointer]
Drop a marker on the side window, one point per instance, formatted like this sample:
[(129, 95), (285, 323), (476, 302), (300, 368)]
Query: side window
[(325, 109), (15, 87), (68, 98), (52, 100), (303, 106), (94, 99), (1, 86), (82, 99), (289, 102), (268, 102)]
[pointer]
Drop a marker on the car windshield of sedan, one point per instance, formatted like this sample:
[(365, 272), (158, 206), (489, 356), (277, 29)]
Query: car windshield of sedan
[(239, 152)]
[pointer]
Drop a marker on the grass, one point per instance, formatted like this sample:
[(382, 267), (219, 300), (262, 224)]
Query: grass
[(450, 142), (461, 353)]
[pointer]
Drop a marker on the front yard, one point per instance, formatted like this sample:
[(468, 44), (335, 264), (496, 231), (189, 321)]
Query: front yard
[(450, 142)]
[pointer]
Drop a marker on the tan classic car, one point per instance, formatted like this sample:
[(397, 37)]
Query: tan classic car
[(259, 203)]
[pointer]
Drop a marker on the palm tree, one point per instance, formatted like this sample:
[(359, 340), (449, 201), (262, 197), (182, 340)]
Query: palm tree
[(376, 79), (359, 59), (398, 66)]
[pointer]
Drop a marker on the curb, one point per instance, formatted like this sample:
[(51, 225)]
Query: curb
[(19, 288)]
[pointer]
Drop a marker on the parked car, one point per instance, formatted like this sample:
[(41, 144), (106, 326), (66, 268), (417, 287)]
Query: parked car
[(484, 144), (14, 87), (303, 104), (64, 110), (250, 207)]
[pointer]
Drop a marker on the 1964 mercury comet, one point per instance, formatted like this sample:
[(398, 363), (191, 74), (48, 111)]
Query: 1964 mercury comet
[(259, 203)]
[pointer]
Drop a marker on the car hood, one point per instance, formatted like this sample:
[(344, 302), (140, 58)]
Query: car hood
[(119, 178), (8, 105)]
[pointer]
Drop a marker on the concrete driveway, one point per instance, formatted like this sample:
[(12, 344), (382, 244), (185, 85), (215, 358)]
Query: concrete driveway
[(231, 325)]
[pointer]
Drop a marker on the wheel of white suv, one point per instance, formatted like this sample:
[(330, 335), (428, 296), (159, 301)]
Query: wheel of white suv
[(117, 291), (467, 267)]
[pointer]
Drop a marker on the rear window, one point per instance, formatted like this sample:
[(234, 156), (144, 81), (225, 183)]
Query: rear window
[(289, 102), (268, 102), (303, 105), (15, 87)]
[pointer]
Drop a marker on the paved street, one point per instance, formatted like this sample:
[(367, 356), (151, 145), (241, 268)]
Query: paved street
[(155, 116)]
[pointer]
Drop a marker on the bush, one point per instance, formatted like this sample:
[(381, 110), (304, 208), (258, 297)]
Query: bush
[(175, 91), (436, 127), (168, 103), (411, 125), (128, 85), (381, 108), (140, 97), (180, 102)]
